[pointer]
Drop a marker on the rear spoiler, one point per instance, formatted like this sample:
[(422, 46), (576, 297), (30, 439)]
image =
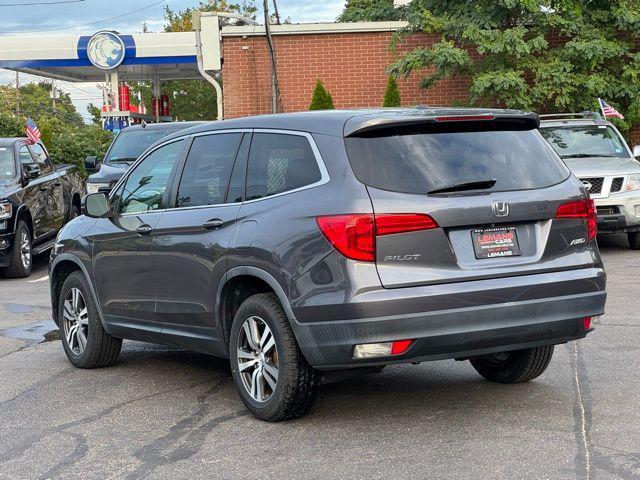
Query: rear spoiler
[(363, 124)]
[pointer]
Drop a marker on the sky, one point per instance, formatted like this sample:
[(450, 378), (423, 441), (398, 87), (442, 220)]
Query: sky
[(53, 17)]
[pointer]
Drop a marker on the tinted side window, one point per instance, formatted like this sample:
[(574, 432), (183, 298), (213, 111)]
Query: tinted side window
[(145, 187), (42, 158), (206, 172), (25, 155), (278, 163)]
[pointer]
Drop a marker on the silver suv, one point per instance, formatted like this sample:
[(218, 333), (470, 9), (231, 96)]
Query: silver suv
[(597, 154)]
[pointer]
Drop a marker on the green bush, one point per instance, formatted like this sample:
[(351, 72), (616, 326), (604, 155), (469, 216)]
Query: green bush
[(392, 94), (73, 145), (11, 126), (321, 99), (67, 143)]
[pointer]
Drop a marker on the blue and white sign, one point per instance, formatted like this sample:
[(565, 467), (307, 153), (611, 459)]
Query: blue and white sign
[(106, 50)]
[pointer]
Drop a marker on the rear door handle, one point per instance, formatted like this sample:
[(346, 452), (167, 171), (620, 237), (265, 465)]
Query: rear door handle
[(213, 224), (144, 229), (57, 184), (44, 189)]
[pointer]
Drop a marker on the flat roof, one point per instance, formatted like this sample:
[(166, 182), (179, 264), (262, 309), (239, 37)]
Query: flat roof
[(313, 28)]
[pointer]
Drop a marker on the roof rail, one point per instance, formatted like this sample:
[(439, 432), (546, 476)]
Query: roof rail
[(569, 116)]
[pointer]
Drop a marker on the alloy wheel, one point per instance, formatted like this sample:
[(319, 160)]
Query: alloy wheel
[(25, 249), (75, 321), (257, 359)]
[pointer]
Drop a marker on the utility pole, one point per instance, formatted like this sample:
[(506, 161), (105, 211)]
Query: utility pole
[(275, 10), (276, 104), (53, 95), (17, 93)]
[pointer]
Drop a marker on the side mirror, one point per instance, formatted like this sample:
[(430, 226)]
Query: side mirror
[(31, 171), (636, 151), (91, 164), (96, 205)]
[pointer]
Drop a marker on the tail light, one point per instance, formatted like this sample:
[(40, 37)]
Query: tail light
[(354, 235), (581, 209)]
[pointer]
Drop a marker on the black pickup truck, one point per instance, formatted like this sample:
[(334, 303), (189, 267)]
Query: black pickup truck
[(36, 199)]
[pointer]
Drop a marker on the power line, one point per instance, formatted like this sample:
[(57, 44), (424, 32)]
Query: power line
[(90, 23), (39, 3)]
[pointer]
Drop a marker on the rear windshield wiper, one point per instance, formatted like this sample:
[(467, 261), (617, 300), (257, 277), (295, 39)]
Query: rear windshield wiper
[(460, 187), (587, 155)]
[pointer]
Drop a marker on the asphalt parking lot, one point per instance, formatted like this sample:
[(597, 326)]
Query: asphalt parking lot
[(166, 413)]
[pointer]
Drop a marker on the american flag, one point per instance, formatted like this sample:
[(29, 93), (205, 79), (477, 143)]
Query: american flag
[(608, 110), (33, 133)]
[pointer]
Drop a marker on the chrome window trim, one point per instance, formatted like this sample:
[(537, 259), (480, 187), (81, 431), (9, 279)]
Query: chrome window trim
[(324, 174)]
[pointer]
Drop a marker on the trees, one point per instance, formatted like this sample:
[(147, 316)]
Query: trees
[(35, 102), (64, 134), (321, 98), (557, 55), (369, 11), (392, 94)]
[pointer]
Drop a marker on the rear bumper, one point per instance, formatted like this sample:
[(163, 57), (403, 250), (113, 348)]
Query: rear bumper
[(466, 331)]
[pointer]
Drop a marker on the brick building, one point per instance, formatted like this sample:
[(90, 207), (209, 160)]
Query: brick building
[(350, 59)]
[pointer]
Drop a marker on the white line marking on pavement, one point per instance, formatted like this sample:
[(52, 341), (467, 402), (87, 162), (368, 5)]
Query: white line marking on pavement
[(42, 279), (583, 420)]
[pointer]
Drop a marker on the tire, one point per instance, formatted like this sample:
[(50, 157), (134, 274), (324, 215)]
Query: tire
[(296, 385), (100, 349), (514, 367), (21, 256), (634, 240)]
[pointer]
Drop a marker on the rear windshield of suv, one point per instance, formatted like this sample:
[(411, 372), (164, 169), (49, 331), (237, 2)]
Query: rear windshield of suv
[(416, 162), (585, 141)]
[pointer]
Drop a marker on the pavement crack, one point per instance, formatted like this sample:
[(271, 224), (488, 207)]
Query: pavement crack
[(74, 456), (16, 350), (21, 448), (581, 414), (184, 439)]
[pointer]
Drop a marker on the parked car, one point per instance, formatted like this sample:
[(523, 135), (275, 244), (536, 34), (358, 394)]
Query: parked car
[(36, 199), (597, 154), (124, 150), (297, 244)]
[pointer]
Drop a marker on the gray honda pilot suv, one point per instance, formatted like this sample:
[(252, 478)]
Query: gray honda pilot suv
[(299, 244)]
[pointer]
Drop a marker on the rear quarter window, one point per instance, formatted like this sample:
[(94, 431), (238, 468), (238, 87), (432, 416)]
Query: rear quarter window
[(420, 161), (280, 163)]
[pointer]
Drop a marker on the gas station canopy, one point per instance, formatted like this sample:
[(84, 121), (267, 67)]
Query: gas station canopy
[(169, 56)]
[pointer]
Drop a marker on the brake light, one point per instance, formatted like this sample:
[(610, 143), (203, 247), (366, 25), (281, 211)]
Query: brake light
[(403, 223), (581, 209), (354, 235), (464, 118), (351, 235)]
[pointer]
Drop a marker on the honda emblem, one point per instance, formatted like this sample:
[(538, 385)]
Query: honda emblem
[(500, 209)]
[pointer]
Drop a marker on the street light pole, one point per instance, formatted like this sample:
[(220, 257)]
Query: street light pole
[(17, 93)]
